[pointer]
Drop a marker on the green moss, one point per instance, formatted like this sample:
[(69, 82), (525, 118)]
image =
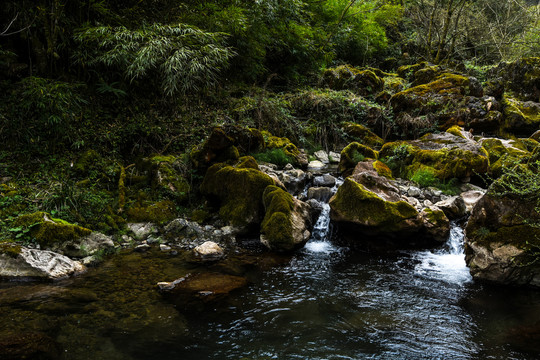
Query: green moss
[(167, 175), (274, 142), (247, 162), (356, 204), (47, 230), (457, 131), (435, 217), (158, 213), (239, 191), (274, 156), (9, 249), (353, 153), (522, 118), (362, 134), (382, 169), (276, 225), (407, 71), (87, 161), (448, 163), (500, 156), (200, 215)]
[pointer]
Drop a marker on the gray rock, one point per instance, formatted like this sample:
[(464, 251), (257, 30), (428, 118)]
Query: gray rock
[(322, 156), (413, 191), (454, 207), (322, 194), (164, 247), (142, 248), (324, 180), (142, 230), (334, 157), (470, 198), (315, 165), (209, 251), (35, 264), (86, 246)]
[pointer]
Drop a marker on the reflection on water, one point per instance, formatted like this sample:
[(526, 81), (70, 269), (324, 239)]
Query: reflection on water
[(325, 302)]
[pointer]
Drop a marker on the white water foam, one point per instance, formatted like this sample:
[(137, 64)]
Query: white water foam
[(449, 264)]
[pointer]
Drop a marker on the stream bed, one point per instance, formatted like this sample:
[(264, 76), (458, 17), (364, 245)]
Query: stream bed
[(325, 302)]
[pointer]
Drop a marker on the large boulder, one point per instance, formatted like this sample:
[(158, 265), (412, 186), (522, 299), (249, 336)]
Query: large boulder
[(20, 263), (502, 234), (287, 221), (521, 77), (372, 205), (446, 155), (239, 190), (522, 118), (167, 174)]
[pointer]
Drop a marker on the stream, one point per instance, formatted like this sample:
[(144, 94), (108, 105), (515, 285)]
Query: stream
[(324, 302)]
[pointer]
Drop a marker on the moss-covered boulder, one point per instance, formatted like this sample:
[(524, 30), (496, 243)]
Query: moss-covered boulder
[(362, 134), (445, 155), (46, 230), (167, 174), (501, 153), (522, 77), (287, 221), (238, 191), (503, 238), (372, 205), (218, 147), (352, 154), (445, 90), (362, 81), (521, 118)]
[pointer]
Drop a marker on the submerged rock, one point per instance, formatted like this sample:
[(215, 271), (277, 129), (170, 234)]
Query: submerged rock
[(28, 345), (87, 245), (200, 288), (38, 264)]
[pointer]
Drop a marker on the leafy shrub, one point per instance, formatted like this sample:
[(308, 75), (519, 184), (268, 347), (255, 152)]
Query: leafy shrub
[(184, 57), (426, 177)]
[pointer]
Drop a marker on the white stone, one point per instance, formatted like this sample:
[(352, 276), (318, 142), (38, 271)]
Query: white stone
[(33, 263), (315, 165), (209, 250), (142, 230), (322, 156), (334, 157)]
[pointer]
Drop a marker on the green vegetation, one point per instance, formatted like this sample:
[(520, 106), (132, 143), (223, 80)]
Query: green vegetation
[(274, 156)]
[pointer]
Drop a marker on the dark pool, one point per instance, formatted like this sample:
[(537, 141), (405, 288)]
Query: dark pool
[(325, 302)]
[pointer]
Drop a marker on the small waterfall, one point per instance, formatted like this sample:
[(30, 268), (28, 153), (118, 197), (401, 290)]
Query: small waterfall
[(447, 264), (320, 242)]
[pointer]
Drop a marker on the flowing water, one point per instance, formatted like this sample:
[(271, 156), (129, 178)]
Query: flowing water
[(325, 302)]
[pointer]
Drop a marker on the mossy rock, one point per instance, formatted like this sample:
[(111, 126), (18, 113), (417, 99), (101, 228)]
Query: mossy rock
[(239, 191), (394, 84), (502, 238), (502, 154), (352, 154), (246, 140), (353, 203), (445, 155), (157, 213), (521, 118), (282, 229), (218, 147), (408, 71), (447, 89), (382, 169), (167, 174), (457, 131), (427, 74), (10, 249), (48, 231), (364, 82), (362, 134), (522, 77)]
